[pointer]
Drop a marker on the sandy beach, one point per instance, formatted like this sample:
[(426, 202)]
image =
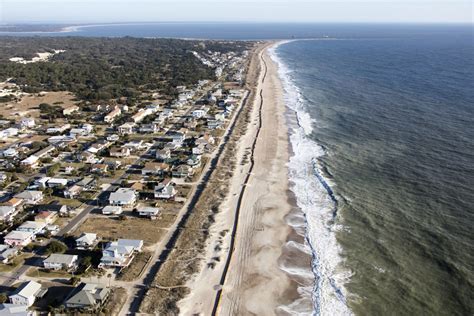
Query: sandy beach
[(257, 279)]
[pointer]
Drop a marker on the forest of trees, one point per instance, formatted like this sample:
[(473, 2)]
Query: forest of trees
[(105, 68)]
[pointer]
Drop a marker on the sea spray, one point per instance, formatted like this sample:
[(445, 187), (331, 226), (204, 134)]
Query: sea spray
[(317, 201)]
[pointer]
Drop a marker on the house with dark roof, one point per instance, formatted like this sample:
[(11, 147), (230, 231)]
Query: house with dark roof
[(87, 296)]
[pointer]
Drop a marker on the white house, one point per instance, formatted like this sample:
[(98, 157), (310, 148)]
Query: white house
[(18, 238), (10, 153), (165, 190), (27, 122), (27, 293), (30, 162), (120, 253), (57, 261), (30, 197), (120, 152), (32, 227), (7, 212), (86, 241), (112, 210), (112, 115), (7, 253), (9, 132), (123, 197), (126, 128), (150, 212)]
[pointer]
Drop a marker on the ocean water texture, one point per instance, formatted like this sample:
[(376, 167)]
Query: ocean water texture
[(316, 203), (386, 126)]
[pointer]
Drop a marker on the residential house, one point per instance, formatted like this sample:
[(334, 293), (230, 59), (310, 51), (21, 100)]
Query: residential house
[(194, 161), (112, 210), (141, 114), (10, 152), (58, 261), (134, 145), (7, 253), (99, 146), (215, 124), (163, 154), (116, 112), (31, 227), (30, 197), (30, 162), (183, 171), (57, 182), (199, 112), (100, 168), (155, 168), (124, 197), (86, 241), (7, 309), (149, 212), (47, 217), (165, 190), (27, 122), (9, 132), (73, 191), (87, 297), (88, 183), (15, 202), (113, 138), (126, 128), (7, 213), (199, 149), (149, 128), (58, 129), (84, 130), (89, 157), (18, 238), (120, 152), (120, 253), (205, 140), (27, 293)]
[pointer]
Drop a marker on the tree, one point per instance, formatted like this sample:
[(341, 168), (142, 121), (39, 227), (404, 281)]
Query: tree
[(55, 246), (3, 298)]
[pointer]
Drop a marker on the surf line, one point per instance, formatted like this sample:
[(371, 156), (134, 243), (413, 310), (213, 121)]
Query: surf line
[(239, 201)]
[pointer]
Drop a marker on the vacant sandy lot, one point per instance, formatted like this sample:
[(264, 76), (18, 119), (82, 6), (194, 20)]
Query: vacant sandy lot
[(150, 231), (28, 106)]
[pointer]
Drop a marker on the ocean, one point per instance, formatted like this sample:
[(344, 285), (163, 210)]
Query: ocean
[(383, 156), (383, 168)]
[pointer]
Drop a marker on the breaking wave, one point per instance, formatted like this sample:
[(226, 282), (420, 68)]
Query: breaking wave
[(317, 201)]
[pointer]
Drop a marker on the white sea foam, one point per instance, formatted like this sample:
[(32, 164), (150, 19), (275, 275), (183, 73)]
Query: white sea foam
[(314, 198)]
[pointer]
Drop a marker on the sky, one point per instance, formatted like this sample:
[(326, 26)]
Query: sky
[(107, 11)]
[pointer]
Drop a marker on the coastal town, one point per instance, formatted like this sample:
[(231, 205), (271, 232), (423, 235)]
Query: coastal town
[(93, 191)]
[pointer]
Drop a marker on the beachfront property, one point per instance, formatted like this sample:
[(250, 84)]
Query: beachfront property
[(87, 297), (120, 253), (165, 190), (79, 159), (57, 261)]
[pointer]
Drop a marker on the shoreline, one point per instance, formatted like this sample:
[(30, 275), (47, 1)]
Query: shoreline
[(259, 232), (269, 250)]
